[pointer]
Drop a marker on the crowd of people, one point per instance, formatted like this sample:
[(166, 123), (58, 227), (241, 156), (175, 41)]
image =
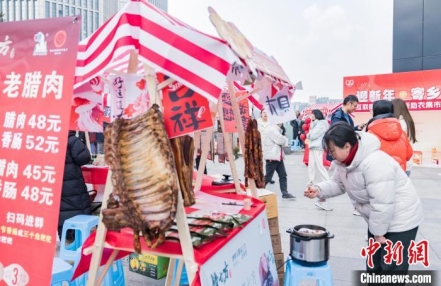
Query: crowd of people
[(371, 162)]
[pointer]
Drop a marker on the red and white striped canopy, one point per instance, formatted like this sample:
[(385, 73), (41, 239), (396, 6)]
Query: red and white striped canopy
[(163, 42)]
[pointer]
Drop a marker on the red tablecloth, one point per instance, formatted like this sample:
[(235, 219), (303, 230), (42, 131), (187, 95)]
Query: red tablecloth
[(124, 240), (208, 186), (95, 175)]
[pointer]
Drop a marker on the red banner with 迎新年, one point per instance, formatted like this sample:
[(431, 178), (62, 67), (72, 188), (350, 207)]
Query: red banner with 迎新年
[(37, 65), (420, 89)]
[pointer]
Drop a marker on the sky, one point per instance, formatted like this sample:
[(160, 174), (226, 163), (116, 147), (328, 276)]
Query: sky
[(316, 42)]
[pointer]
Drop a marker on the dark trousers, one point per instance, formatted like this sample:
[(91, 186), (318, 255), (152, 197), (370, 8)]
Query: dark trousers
[(378, 258), (279, 167)]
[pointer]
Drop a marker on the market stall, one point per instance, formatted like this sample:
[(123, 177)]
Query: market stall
[(176, 66)]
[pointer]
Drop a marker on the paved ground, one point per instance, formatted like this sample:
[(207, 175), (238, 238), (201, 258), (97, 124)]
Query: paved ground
[(349, 230)]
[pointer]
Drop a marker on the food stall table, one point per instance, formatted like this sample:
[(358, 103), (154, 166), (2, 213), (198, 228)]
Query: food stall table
[(233, 259)]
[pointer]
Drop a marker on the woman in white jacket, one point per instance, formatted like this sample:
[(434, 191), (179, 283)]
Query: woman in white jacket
[(379, 188), (316, 170)]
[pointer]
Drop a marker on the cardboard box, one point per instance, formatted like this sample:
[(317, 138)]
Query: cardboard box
[(270, 200), (277, 243), (273, 224), (281, 278), (280, 261), (149, 265)]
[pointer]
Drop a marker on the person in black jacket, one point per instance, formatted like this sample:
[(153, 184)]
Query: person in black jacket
[(295, 126), (74, 196)]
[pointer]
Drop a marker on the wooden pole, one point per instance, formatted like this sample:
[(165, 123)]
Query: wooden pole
[(100, 237), (204, 154), (107, 266), (240, 130), (101, 232), (229, 148), (181, 218)]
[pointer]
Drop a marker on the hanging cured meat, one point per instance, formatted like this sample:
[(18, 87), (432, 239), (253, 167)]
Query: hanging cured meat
[(183, 152), (253, 155), (144, 197)]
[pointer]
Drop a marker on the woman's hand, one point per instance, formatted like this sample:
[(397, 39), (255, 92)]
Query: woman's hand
[(311, 192), (380, 238)]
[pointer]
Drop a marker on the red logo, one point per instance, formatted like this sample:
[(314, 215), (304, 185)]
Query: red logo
[(417, 252), (370, 250), (60, 38)]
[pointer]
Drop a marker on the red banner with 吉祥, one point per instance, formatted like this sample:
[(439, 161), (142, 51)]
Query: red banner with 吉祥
[(230, 123), (185, 111), (37, 65), (420, 89)]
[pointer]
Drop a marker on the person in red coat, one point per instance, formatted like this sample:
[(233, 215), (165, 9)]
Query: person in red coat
[(388, 129)]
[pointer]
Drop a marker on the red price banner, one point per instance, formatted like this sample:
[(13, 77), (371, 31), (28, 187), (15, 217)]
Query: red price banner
[(37, 65)]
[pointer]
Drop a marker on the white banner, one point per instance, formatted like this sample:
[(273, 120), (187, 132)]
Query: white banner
[(247, 259), (129, 96), (279, 107)]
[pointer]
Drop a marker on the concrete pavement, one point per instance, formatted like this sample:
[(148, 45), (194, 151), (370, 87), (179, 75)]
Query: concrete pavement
[(349, 230)]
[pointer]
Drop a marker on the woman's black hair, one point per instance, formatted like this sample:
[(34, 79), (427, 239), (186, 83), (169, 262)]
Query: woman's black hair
[(318, 114), (339, 134), (382, 107)]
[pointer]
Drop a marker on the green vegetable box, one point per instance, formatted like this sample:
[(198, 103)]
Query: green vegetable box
[(149, 265)]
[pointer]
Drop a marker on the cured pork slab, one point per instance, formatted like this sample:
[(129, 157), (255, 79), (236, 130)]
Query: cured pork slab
[(144, 177)]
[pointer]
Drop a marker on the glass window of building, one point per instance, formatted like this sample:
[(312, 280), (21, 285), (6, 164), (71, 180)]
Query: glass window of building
[(90, 21), (60, 10), (84, 3), (84, 24), (72, 11), (54, 10), (97, 5), (97, 21), (47, 9), (66, 10)]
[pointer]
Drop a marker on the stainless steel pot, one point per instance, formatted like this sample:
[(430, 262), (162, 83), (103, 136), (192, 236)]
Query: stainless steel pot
[(309, 247)]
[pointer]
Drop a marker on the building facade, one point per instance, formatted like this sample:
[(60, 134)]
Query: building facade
[(416, 35), (93, 12), (161, 4)]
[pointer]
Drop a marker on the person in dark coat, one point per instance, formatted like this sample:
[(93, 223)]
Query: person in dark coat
[(74, 196), (343, 114), (295, 126)]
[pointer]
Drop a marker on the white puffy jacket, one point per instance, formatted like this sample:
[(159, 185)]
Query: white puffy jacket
[(315, 135), (378, 187), (273, 142)]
